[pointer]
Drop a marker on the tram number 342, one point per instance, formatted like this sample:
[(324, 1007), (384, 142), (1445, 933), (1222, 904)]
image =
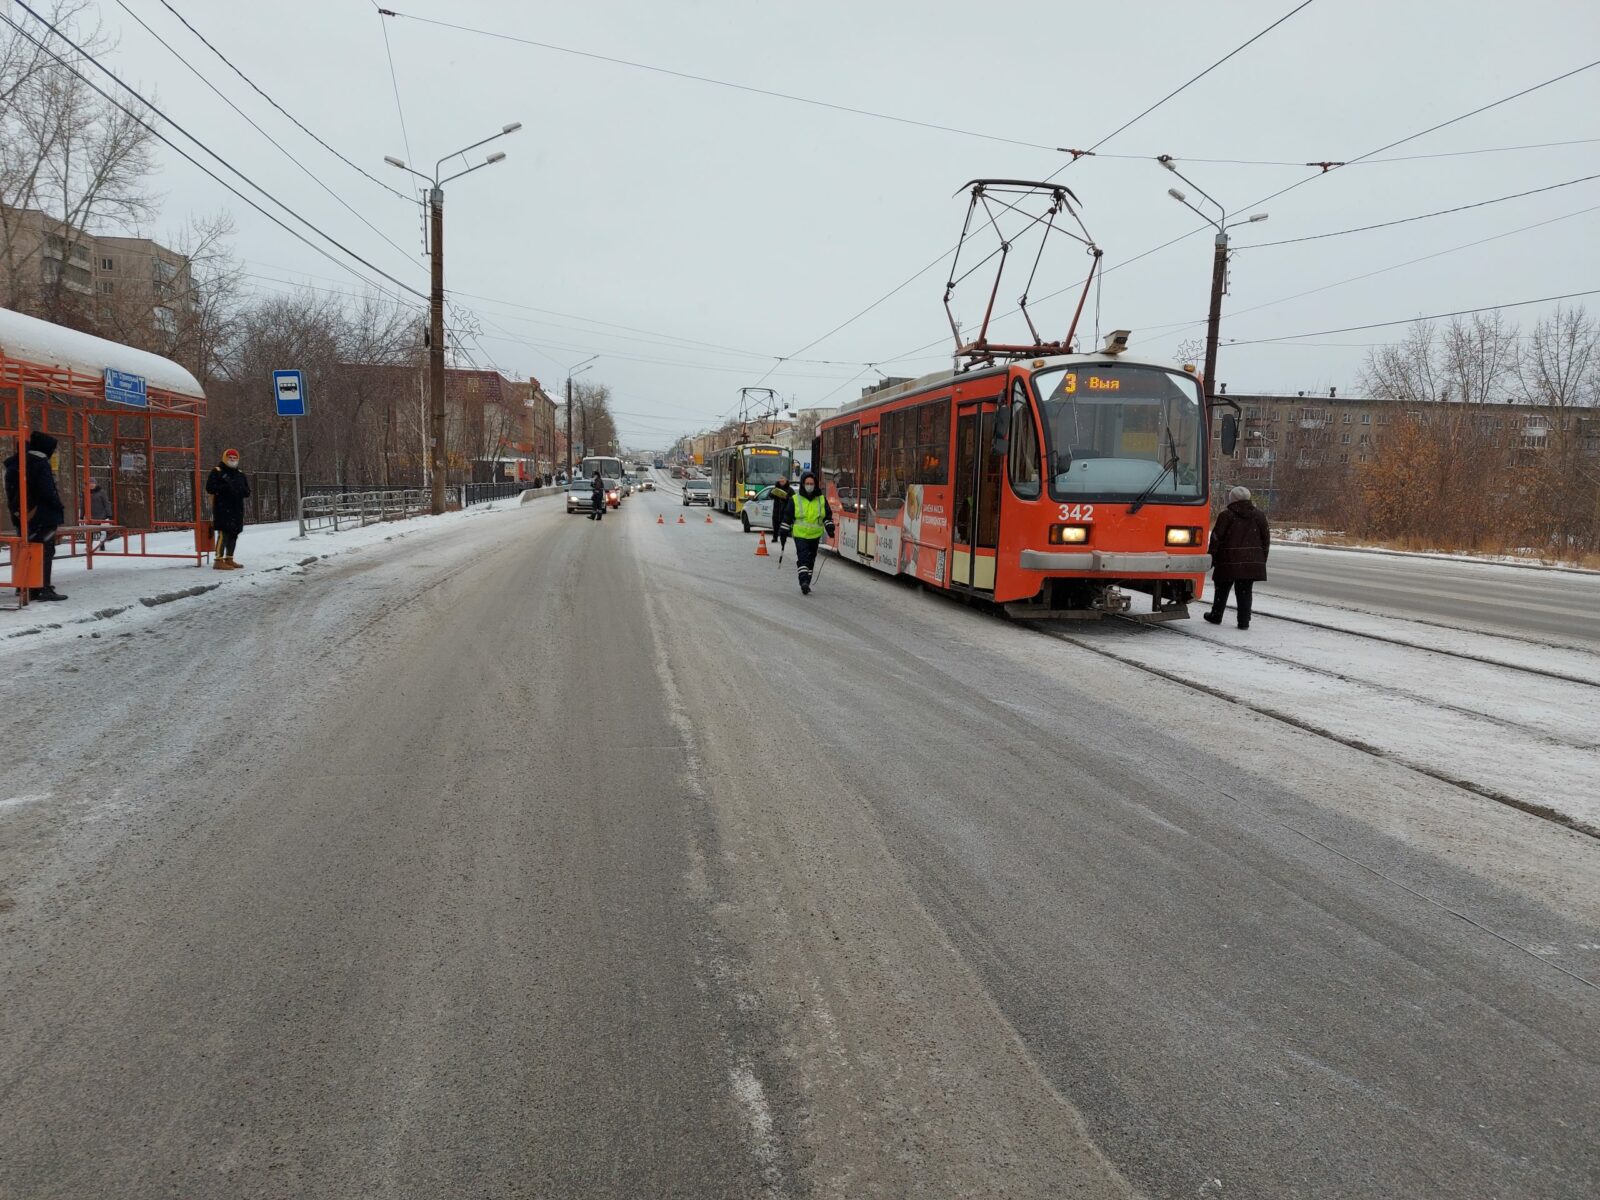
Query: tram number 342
[(1076, 512)]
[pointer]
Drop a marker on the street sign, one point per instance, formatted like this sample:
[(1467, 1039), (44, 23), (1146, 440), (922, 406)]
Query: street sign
[(125, 388), (289, 388)]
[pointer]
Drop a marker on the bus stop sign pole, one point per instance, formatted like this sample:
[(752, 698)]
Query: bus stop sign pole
[(289, 390)]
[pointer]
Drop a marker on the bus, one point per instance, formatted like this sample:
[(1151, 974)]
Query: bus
[(739, 472), (1052, 487), (609, 468)]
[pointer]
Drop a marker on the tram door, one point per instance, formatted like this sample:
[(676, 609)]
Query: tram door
[(977, 516), (867, 495)]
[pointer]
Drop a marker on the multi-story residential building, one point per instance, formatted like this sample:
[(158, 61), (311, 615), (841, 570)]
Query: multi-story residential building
[(131, 289)]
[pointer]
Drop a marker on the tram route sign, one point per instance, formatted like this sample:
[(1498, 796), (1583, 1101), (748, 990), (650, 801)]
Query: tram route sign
[(289, 390), (123, 387)]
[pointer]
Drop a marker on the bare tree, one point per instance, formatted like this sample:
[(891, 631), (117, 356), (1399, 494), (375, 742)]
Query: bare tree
[(69, 154)]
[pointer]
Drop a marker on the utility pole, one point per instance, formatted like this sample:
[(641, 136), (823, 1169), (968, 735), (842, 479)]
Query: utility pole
[(571, 375), (436, 353), (436, 398), (1219, 277)]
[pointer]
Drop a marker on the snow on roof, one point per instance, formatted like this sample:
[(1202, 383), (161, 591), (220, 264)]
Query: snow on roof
[(35, 341)]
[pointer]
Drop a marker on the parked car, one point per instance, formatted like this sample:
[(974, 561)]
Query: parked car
[(757, 512), (697, 491)]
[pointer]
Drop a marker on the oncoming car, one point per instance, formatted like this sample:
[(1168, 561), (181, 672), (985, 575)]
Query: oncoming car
[(697, 491), (613, 493), (579, 495)]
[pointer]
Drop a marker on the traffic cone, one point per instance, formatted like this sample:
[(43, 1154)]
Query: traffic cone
[(680, 518), (761, 547), (708, 518), (661, 519)]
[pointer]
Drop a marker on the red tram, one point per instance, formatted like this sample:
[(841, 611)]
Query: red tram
[(1053, 486)]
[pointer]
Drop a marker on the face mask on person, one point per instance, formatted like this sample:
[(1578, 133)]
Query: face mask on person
[(810, 489)]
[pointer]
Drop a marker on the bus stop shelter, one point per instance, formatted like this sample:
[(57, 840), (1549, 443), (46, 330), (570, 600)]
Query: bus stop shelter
[(125, 418)]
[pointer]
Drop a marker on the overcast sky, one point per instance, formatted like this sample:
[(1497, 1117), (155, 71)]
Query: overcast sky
[(694, 213)]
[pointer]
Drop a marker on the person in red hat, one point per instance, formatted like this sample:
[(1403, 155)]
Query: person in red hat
[(228, 487)]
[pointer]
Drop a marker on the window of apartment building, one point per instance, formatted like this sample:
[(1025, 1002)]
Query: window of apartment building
[(1363, 439), (108, 264), (1347, 418), (107, 287), (1366, 418), (1344, 458), (1361, 458), (1344, 439)]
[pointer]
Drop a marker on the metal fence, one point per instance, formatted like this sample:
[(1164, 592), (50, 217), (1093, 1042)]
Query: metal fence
[(340, 508)]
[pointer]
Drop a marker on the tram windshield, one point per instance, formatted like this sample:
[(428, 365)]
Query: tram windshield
[(764, 467), (1120, 431)]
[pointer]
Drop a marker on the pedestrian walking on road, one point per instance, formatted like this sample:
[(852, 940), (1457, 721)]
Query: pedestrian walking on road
[(806, 518), (99, 513), (782, 494), (597, 498), (1239, 544), (228, 488), (46, 513)]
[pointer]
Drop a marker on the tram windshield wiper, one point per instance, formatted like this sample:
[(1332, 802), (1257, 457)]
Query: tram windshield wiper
[(1170, 465)]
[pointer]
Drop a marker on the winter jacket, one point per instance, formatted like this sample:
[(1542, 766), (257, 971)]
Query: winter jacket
[(1239, 543), (227, 487), (782, 494), (46, 513), (597, 492), (791, 510), (99, 505)]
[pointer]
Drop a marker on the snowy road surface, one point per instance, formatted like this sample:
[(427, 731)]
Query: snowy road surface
[(1529, 602), (498, 860)]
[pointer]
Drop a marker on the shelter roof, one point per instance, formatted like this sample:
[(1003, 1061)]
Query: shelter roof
[(31, 340)]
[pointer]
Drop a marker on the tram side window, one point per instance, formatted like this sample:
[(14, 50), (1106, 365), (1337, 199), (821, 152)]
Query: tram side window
[(1025, 479), (933, 442), (839, 463), (894, 460)]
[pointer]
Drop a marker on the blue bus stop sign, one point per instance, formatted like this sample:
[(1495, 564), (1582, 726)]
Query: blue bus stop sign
[(123, 387), (289, 389)]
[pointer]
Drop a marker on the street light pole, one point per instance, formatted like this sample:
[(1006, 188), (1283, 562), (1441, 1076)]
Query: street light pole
[(437, 456), (571, 375)]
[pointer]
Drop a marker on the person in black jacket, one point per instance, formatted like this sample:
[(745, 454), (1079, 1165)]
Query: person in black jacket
[(1239, 544), (46, 513), (597, 497), (781, 495), (228, 487)]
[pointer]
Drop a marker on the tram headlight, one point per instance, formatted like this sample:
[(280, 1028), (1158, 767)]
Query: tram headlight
[(1068, 535), (1183, 535)]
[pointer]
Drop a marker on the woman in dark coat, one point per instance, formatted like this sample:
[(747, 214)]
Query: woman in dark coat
[(228, 488), (1239, 544), (597, 498)]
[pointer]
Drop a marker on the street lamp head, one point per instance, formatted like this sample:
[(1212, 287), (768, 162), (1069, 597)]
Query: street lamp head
[(500, 154), (1166, 161), (1177, 195), (394, 162), (511, 128), (1254, 217)]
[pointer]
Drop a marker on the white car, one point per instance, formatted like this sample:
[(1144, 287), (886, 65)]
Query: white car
[(757, 512)]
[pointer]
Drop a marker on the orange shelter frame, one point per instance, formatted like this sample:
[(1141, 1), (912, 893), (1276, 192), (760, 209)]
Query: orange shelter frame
[(147, 458)]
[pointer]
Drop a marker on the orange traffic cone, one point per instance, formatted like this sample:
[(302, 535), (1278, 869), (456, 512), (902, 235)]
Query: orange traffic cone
[(708, 518), (661, 519), (761, 547), (680, 518)]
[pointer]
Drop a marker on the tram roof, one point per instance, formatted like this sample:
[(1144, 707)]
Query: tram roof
[(925, 382), (30, 340)]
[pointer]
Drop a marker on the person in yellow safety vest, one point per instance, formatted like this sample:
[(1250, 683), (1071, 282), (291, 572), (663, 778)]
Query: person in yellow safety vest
[(805, 518)]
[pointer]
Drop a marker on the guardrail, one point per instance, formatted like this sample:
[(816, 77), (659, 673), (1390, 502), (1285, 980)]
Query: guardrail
[(351, 510)]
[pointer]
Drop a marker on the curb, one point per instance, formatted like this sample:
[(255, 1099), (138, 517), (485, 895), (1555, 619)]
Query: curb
[(1441, 557)]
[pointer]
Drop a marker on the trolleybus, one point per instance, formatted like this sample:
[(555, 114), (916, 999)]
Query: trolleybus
[(739, 472), (1053, 486)]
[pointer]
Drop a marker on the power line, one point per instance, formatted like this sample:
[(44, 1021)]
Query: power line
[(1465, 312), (1365, 162), (275, 104), (394, 79), (706, 79), (156, 133), (1422, 217), (1126, 124), (229, 102)]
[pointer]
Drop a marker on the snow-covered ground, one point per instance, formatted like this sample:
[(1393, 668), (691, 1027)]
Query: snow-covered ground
[(1500, 716), (121, 591)]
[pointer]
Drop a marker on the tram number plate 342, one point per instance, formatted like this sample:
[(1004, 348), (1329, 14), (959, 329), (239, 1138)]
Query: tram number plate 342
[(1076, 512)]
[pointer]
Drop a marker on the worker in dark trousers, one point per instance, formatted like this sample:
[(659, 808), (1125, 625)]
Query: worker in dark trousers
[(1239, 544), (806, 518), (46, 513), (597, 498), (781, 495), (228, 488)]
